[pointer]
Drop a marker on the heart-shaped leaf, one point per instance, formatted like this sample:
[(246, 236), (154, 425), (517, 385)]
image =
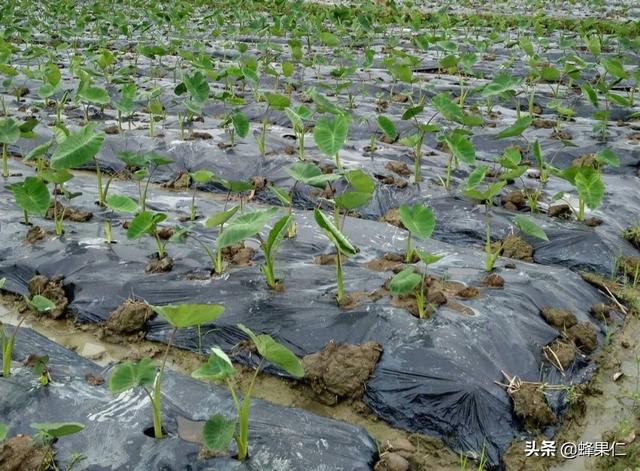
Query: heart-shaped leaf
[(129, 375), (188, 315), (275, 353), (217, 432), (418, 219), (77, 149)]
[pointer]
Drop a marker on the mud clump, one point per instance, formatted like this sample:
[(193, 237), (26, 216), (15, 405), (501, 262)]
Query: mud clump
[(601, 312), (238, 255), (341, 370), (165, 233), (52, 289), (400, 168), (514, 200), (390, 461), (351, 300), (198, 135), (530, 405), (559, 318), (468, 292), (540, 123), (129, 318), (112, 130), (516, 459), (70, 214), (392, 217), (561, 353), (561, 210), (493, 280), (325, 259), (585, 336), (159, 265), (21, 453), (516, 248), (181, 182), (389, 262), (35, 235), (593, 222)]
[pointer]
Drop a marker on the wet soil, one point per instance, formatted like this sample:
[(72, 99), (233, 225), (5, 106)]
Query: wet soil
[(530, 405), (21, 453), (129, 318), (52, 289), (159, 265), (559, 318), (35, 235), (70, 213)]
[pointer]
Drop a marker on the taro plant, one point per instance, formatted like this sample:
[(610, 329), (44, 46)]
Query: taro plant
[(120, 203), (287, 201), (341, 244), (410, 281), (218, 431), (146, 223), (145, 374), (274, 101), (239, 229), (201, 177), (47, 433), (9, 134), (32, 196), (416, 139), (420, 222), (297, 117), (58, 178), (270, 248), (236, 123), (144, 167), (360, 192), (330, 135)]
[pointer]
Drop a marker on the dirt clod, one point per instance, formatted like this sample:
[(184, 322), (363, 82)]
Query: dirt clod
[(35, 235), (159, 265), (238, 255), (601, 312), (392, 462), (181, 182), (468, 292), (514, 200), (94, 380), (164, 232), (530, 405), (561, 210), (340, 370), (493, 280), (325, 259), (21, 453), (70, 214), (400, 168), (559, 318), (516, 248), (128, 318), (52, 289), (585, 336), (112, 130), (563, 352), (392, 217)]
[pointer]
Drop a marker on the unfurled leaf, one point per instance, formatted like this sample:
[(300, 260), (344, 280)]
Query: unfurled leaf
[(405, 282), (245, 225), (217, 433), (220, 217), (217, 368), (275, 353), (418, 219), (388, 128), (77, 149), (330, 135), (129, 375), (516, 128), (122, 203), (58, 429), (188, 315), (530, 228), (32, 196), (590, 187)]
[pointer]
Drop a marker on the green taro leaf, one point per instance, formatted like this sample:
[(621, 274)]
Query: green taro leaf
[(310, 174), (129, 375), (477, 176), (96, 95), (77, 149), (220, 217), (412, 112), (217, 432), (461, 147), (41, 304), (275, 353), (188, 315), (405, 281), (144, 223), (418, 219), (388, 128), (530, 228), (58, 429), (330, 135), (608, 157), (240, 124), (9, 131), (38, 151), (32, 196), (338, 239), (217, 368), (277, 101), (245, 225), (281, 194), (122, 203), (276, 234), (427, 258), (614, 67), (590, 187), (197, 87), (3, 432), (516, 128), (202, 176)]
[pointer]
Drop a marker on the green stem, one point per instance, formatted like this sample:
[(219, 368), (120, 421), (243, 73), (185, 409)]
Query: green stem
[(160, 245), (155, 401), (340, 283), (422, 312), (581, 210), (107, 230), (101, 192), (5, 161), (408, 257)]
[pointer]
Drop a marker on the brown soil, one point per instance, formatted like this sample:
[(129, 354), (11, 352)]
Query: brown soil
[(70, 214), (586, 160), (340, 371), (129, 318), (112, 130), (540, 123), (389, 262), (584, 335), (198, 135), (530, 405), (515, 200), (562, 353), (94, 380), (238, 255), (35, 235), (159, 265), (391, 180), (352, 300), (493, 280), (516, 248), (602, 312), (468, 292), (562, 135), (180, 182), (562, 210), (392, 217), (165, 233), (21, 453), (325, 259), (559, 318), (52, 289), (400, 168)]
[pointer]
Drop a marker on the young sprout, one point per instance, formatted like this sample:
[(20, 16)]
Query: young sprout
[(236, 122), (420, 222), (199, 177), (120, 203), (410, 281), (287, 201), (218, 431), (145, 223), (48, 433), (9, 134), (32, 196), (341, 244), (275, 101), (330, 135), (270, 248), (297, 117), (144, 374)]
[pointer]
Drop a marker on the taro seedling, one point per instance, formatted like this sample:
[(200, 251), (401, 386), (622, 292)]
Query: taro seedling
[(361, 187), (9, 134), (32, 196), (58, 178), (416, 139), (48, 432), (146, 223), (78, 148), (239, 229), (90, 94), (218, 431), (297, 117), (198, 88), (341, 244), (287, 201), (144, 166), (270, 248), (144, 374), (8, 342), (216, 220), (120, 203), (420, 222), (201, 177), (330, 135), (236, 123), (274, 101), (410, 281)]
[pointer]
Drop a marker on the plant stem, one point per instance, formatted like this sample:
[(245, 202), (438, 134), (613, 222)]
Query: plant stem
[(7, 348), (581, 210), (420, 300), (340, 283), (409, 254), (155, 401), (5, 161), (107, 230)]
